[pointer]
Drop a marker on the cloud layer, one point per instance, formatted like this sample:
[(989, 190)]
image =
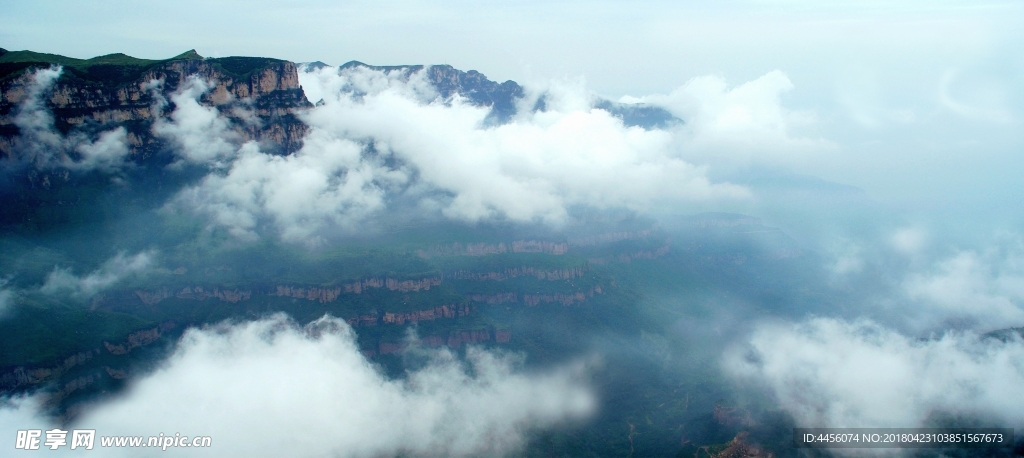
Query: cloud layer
[(271, 388), (984, 287), (741, 124), (39, 143), (834, 373), (200, 134), (380, 137), (64, 281)]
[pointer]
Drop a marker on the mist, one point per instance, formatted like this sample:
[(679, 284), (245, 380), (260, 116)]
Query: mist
[(272, 387)]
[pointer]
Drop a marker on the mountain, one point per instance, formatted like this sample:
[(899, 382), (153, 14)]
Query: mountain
[(261, 96), (612, 284), (473, 85), (503, 98)]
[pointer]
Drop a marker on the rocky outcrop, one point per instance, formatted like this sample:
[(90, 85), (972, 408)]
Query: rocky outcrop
[(503, 98), (22, 376), (740, 447), (540, 274), (457, 339), (473, 86), (610, 237), (198, 293), (497, 298), (322, 295), (153, 297), (404, 286), (134, 340), (536, 299), (116, 374), (502, 335), (75, 384), (564, 299), (483, 249), (442, 311), (369, 319), (533, 246), (259, 96)]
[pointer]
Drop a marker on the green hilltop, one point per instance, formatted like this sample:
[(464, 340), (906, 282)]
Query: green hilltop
[(120, 68)]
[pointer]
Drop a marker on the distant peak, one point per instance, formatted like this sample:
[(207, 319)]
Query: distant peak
[(188, 55), (309, 66)]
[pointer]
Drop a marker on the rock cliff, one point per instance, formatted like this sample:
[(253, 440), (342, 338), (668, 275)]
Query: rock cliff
[(502, 98), (259, 96), (483, 249), (525, 271)]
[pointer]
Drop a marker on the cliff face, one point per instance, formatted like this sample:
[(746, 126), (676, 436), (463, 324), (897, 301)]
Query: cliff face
[(260, 97), (525, 271), (502, 98), (483, 249)]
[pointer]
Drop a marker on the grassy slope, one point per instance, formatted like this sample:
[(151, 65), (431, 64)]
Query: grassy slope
[(118, 68)]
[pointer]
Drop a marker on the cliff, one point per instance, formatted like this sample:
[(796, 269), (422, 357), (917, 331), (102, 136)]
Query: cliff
[(483, 249), (499, 97), (259, 96), (502, 98), (525, 271)]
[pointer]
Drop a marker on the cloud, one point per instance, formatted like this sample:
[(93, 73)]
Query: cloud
[(383, 137), (62, 280), (271, 388), (37, 139), (834, 373), (327, 181), (107, 153), (6, 296), (533, 168), (985, 287), (40, 144), (986, 99), (748, 121), (909, 240), (199, 133)]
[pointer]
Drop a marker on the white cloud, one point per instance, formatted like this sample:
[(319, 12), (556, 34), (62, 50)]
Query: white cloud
[(909, 240), (39, 142), (327, 181), (383, 136), (37, 138), (533, 168), (833, 373), (270, 388), (986, 287), (107, 153), (62, 280), (200, 133), (739, 124), (6, 296)]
